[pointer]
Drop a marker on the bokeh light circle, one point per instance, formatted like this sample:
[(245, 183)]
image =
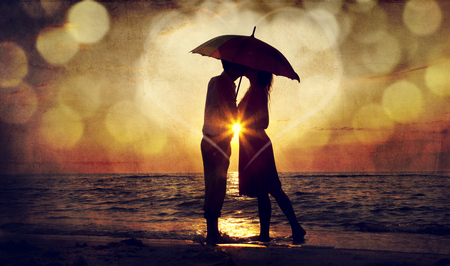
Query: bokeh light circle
[(125, 122), (422, 17), (437, 78), (381, 53), (56, 46), (13, 64), (403, 101), (61, 127), (154, 141), (88, 21)]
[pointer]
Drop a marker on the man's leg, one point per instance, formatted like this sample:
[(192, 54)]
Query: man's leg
[(215, 166)]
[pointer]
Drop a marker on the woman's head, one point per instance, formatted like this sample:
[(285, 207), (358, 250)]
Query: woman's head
[(259, 77)]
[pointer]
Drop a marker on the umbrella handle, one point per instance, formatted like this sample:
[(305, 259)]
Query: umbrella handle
[(239, 85), (244, 69), (237, 91)]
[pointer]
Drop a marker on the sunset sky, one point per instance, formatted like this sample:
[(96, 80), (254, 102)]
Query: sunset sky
[(110, 86)]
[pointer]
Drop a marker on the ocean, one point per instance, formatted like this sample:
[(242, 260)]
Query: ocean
[(408, 212)]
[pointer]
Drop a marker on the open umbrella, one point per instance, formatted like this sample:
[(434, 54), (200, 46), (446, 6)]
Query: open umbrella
[(248, 51)]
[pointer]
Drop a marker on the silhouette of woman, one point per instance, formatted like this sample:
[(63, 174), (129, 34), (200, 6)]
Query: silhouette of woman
[(258, 176)]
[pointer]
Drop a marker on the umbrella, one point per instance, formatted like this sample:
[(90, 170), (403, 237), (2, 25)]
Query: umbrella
[(248, 51)]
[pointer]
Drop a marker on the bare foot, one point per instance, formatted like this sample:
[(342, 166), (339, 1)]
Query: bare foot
[(264, 238), (298, 235), (213, 239)]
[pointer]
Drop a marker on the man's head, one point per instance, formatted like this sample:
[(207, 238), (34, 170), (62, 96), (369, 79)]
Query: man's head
[(226, 65), (233, 70)]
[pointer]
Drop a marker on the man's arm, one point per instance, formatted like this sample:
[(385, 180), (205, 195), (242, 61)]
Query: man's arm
[(227, 103)]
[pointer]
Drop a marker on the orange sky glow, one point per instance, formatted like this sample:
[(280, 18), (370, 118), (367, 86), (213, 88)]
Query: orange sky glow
[(110, 86)]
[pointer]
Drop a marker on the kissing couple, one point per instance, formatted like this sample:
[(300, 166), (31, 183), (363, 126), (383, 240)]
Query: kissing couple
[(258, 176)]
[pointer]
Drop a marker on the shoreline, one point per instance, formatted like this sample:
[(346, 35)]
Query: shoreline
[(85, 250)]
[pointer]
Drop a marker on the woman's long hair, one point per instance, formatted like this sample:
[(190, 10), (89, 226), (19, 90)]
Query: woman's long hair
[(265, 80)]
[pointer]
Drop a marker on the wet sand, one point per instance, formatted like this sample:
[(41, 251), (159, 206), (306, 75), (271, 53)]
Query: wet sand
[(82, 251)]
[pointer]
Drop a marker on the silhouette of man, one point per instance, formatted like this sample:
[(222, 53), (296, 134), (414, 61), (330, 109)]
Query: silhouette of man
[(220, 115)]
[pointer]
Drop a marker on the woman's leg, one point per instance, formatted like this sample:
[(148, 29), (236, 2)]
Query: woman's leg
[(286, 206), (265, 210)]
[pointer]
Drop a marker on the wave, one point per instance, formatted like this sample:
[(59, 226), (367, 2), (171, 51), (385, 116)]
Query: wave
[(444, 174), (161, 175), (432, 229)]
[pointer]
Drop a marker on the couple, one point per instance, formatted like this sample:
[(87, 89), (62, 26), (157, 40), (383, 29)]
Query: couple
[(258, 176)]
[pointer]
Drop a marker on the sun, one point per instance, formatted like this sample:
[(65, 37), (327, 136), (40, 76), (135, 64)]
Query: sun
[(236, 128)]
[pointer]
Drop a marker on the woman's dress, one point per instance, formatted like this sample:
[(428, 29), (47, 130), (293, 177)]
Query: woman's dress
[(257, 170)]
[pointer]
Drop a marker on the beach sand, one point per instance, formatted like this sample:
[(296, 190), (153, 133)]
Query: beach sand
[(81, 251)]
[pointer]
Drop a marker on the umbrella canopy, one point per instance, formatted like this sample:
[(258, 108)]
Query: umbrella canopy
[(248, 51)]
